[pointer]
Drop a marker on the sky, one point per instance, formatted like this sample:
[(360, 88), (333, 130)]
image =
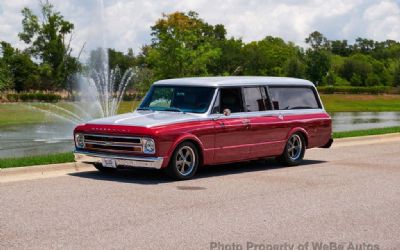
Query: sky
[(126, 23)]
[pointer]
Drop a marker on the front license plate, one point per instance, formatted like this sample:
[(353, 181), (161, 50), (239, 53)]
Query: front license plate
[(108, 163)]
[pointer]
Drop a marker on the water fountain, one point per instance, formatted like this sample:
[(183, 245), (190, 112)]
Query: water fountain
[(98, 93)]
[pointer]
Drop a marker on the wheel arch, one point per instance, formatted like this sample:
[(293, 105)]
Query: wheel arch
[(187, 138), (301, 131)]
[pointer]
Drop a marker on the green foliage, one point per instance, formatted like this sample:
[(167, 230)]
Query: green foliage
[(36, 160), (353, 90), (182, 45), (396, 75), (294, 67), (268, 56), (49, 40), (374, 131), (22, 71), (30, 97)]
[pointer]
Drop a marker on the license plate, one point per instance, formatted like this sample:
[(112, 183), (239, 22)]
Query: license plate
[(108, 163)]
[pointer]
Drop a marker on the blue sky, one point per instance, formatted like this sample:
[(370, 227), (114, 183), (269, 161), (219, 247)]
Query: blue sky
[(127, 22)]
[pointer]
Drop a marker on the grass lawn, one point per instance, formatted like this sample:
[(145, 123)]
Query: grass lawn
[(36, 160), (374, 131), (23, 113), (360, 103)]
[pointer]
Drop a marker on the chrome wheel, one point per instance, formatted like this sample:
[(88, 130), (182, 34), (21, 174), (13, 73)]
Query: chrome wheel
[(185, 160), (294, 147)]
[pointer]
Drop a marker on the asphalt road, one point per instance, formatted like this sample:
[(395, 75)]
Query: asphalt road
[(346, 196)]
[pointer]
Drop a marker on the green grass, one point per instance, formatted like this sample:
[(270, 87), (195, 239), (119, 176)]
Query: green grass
[(23, 113), (361, 103), (36, 160), (375, 131), (11, 114)]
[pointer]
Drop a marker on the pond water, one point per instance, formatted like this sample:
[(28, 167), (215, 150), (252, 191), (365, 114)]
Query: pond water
[(35, 139), (47, 138), (349, 121)]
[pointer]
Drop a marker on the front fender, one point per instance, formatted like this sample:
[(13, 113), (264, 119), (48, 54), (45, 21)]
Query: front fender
[(179, 140)]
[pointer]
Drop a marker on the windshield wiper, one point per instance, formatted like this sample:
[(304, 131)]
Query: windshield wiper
[(174, 109), (144, 108)]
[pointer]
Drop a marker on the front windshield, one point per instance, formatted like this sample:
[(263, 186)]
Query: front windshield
[(178, 99)]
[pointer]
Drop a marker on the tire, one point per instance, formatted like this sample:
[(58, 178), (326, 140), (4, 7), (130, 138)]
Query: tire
[(187, 154), (294, 150), (102, 169)]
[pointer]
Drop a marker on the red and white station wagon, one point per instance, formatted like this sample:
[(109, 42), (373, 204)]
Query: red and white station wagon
[(189, 122)]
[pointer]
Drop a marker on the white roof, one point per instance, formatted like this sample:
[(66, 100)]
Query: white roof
[(234, 81)]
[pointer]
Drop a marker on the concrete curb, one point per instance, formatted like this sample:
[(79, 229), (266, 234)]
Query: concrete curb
[(41, 171)]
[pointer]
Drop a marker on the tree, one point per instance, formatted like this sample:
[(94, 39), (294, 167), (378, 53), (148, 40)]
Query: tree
[(317, 41), (340, 47), (356, 69), (182, 45), (49, 42), (396, 75), (294, 67), (22, 71), (317, 57), (268, 56)]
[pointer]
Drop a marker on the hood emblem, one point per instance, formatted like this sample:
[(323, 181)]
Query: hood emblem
[(110, 130)]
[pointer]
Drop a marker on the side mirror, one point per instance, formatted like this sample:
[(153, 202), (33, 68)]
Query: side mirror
[(227, 112)]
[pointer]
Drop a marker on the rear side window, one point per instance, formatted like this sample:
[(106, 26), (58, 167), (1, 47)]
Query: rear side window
[(255, 99), (293, 98)]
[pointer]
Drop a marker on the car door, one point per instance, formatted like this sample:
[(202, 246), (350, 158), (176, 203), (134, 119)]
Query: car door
[(267, 129), (231, 131)]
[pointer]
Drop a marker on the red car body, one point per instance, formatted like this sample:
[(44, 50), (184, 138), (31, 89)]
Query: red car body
[(218, 138)]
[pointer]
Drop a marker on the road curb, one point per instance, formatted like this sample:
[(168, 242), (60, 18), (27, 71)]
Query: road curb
[(42, 171)]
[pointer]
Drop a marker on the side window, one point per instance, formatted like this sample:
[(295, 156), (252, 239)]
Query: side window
[(284, 98), (229, 98), (255, 99)]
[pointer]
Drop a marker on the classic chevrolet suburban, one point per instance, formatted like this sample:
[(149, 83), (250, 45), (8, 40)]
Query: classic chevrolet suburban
[(185, 123)]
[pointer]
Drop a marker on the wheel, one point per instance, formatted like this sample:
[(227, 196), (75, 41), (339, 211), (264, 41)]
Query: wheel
[(100, 167), (184, 162), (294, 150)]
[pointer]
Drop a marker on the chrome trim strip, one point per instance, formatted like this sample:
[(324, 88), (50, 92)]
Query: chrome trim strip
[(130, 161), (113, 144), (113, 136)]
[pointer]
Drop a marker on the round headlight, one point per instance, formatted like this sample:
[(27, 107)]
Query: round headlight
[(79, 141), (149, 146)]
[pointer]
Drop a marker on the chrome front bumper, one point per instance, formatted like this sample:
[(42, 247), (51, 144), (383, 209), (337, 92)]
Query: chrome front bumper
[(127, 161)]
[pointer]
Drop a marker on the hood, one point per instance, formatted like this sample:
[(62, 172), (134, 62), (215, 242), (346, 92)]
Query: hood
[(146, 119)]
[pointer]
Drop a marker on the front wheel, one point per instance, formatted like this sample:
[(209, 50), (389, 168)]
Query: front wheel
[(294, 150), (184, 162)]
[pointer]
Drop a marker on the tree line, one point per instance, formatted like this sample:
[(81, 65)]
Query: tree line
[(185, 45)]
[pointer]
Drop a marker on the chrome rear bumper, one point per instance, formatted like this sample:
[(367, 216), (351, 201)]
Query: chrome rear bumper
[(128, 161)]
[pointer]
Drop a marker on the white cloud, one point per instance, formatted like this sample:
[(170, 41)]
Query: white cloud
[(127, 22)]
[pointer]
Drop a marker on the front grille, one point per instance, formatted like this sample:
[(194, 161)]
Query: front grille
[(113, 144)]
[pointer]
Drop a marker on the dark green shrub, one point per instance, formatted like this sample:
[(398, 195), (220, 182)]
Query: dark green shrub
[(353, 90)]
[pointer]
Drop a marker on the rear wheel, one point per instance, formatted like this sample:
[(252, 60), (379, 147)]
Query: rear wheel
[(100, 167), (184, 162), (294, 150)]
